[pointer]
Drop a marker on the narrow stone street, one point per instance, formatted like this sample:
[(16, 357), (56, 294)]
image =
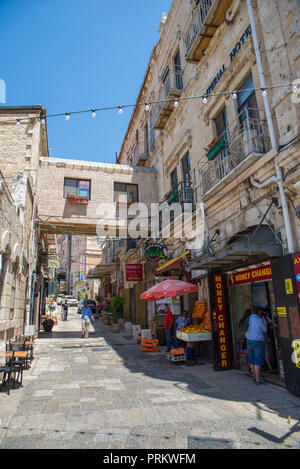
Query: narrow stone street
[(104, 392)]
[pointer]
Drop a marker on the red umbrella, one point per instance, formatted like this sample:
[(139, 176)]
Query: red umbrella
[(168, 289)]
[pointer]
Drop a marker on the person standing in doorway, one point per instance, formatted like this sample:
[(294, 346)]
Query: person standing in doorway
[(86, 317), (181, 322), (169, 328), (255, 335), (65, 310)]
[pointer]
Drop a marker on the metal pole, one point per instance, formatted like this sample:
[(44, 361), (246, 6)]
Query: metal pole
[(285, 209)]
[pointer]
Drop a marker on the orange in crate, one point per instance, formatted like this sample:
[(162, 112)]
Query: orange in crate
[(199, 309), (177, 351), (149, 349)]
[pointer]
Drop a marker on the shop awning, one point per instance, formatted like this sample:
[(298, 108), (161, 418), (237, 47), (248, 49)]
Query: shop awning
[(101, 269), (173, 263), (242, 250)]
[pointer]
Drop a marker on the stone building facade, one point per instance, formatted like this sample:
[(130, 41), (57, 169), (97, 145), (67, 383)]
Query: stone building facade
[(214, 143), (20, 149)]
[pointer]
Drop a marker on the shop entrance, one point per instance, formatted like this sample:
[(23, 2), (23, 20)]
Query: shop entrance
[(243, 297)]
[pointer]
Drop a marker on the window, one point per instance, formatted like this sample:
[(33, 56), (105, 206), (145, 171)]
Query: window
[(174, 179), (247, 104), (79, 187), (125, 192), (177, 70), (186, 170), (165, 74), (221, 123)]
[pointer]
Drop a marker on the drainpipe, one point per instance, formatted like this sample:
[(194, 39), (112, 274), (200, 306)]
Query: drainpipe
[(285, 209)]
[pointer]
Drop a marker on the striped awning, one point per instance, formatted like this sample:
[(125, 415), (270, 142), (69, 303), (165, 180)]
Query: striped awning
[(173, 263)]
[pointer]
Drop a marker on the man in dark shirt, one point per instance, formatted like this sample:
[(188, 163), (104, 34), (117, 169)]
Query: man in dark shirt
[(65, 310)]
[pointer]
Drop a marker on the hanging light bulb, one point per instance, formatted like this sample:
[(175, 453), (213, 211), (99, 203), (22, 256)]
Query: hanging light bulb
[(295, 89), (176, 103), (234, 96), (264, 92), (67, 116), (147, 108), (204, 100), (93, 113), (43, 121), (120, 111), (18, 122)]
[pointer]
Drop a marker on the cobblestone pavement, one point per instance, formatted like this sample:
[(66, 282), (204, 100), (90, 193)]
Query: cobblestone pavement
[(103, 392)]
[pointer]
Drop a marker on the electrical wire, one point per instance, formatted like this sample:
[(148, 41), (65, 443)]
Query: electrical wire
[(146, 103)]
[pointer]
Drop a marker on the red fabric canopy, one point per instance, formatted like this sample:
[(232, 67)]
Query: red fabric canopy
[(168, 289)]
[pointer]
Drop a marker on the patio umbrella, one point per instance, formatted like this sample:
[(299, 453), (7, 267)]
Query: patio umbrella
[(168, 289)]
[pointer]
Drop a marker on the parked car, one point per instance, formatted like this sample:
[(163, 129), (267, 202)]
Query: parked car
[(71, 300), (59, 299), (90, 303)]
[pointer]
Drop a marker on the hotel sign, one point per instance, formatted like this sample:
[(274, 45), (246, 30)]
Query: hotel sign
[(251, 275), (221, 322), (233, 54)]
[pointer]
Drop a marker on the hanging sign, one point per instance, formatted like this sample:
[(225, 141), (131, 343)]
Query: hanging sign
[(155, 252), (257, 274), (134, 272), (221, 322)]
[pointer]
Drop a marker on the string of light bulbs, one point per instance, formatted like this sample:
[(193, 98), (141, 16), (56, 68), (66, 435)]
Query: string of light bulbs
[(147, 105)]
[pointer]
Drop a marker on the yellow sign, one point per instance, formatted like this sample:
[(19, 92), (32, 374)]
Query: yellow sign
[(296, 347), (281, 311), (288, 286)]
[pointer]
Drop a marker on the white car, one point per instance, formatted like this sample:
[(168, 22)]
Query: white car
[(71, 300), (59, 299)]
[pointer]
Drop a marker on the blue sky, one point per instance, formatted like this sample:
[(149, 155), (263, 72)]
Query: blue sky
[(70, 55)]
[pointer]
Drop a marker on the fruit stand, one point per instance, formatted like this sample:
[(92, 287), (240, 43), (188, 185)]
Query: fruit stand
[(198, 332)]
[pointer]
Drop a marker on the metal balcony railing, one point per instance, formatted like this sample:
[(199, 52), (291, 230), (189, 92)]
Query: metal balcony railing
[(197, 21), (244, 137), (182, 193), (171, 88)]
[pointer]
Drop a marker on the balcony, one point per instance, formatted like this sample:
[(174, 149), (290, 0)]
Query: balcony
[(139, 155), (206, 18), (171, 90), (182, 194), (243, 142)]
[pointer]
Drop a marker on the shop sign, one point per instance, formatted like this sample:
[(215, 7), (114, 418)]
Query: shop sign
[(221, 321), (155, 252), (288, 286), (257, 274), (296, 258), (281, 311), (296, 354), (134, 272)]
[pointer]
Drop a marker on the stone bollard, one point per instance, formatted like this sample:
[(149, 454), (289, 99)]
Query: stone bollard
[(146, 334), (136, 330), (128, 328)]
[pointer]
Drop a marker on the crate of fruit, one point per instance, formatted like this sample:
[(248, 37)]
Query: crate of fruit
[(194, 336)]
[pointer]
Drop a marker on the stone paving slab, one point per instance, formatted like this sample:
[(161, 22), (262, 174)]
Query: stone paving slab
[(105, 393)]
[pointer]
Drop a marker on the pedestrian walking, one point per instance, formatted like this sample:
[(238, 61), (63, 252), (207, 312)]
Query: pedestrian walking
[(65, 310), (255, 335), (86, 317)]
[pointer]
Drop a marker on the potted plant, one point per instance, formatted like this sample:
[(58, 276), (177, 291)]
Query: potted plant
[(116, 307), (214, 148), (77, 199)]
